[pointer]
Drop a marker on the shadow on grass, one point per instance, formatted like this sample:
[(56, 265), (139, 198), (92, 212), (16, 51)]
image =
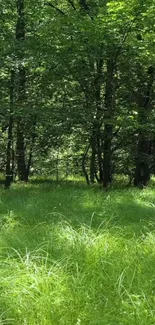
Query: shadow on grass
[(46, 225), (32, 204), (62, 221)]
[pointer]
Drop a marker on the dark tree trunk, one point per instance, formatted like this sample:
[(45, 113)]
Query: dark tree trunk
[(93, 155), (108, 127), (31, 146), (100, 159), (13, 164), (20, 154), (142, 170), (84, 167), (21, 81), (9, 151), (20, 146), (142, 163), (153, 154), (96, 164), (20, 26), (107, 177)]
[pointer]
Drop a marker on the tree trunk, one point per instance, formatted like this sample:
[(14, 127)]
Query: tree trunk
[(20, 153), (21, 80), (93, 156), (9, 151), (96, 164), (142, 168), (20, 146), (108, 127), (107, 155), (31, 146), (153, 155), (84, 167), (100, 158)]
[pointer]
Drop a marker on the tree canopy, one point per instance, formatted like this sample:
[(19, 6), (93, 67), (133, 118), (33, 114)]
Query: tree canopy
[(77, 89)]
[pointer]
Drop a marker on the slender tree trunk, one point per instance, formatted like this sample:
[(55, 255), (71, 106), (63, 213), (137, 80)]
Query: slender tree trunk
[(153, 154), (108, 127), (93, 156), (83, 165), (20, 145), (13, 163), (21, 81), (142, 168), (98, 122), (20, 153), (31, 146), (96, 164), (107, 177), (100, 158), (9, 151)]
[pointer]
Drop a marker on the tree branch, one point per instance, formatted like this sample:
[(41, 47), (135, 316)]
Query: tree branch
[(56, 8), (116, 132), (85, 7), (72, 4), (126, 34)]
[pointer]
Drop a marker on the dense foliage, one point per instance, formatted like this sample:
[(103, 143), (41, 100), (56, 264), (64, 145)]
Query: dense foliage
[(77, 89)]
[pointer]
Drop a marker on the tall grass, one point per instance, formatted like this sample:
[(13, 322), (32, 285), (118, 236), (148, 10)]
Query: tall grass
[(72, 255)]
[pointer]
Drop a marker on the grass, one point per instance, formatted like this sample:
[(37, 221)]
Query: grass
[(72, 255)]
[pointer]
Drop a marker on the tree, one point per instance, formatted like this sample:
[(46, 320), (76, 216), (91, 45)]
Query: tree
[(79, 71)]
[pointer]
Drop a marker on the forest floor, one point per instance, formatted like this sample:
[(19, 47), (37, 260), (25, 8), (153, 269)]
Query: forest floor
[(73, 255)]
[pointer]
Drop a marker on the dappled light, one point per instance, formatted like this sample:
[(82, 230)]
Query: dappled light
[(66, 251), (77, 162)]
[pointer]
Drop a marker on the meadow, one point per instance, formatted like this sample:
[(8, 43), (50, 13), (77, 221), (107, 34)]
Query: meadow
[(73, 255)]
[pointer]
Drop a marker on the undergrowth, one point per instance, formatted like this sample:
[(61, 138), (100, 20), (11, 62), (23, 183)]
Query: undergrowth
[(72, 255)]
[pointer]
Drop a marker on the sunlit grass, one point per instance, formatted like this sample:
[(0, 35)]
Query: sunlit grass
[(72, 255)]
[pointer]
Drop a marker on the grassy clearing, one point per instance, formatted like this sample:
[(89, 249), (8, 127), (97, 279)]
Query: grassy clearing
[(70, 255)]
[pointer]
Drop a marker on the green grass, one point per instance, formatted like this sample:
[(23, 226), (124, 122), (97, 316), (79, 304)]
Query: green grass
[(72, 255)]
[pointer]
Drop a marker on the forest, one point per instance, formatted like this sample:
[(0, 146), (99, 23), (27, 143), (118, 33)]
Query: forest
[(77, 162), (77, 90)]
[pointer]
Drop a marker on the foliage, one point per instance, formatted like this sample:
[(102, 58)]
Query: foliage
[(83, 71)]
